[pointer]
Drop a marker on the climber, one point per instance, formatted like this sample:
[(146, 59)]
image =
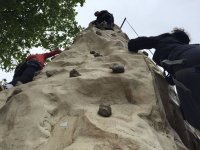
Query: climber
[(105, 20), (181, 60), (25, 71)]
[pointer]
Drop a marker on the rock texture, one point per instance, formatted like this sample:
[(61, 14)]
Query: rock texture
[(56, 112)]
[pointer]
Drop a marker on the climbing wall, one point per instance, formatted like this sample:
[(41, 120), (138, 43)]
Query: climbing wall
[(59, 109)]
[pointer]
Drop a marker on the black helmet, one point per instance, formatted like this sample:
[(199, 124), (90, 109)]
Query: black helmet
[(181, 35)]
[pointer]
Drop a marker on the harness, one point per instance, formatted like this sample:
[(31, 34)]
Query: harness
[(170, 67)]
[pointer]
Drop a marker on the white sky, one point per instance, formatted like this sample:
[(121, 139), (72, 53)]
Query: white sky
[(148, 17)]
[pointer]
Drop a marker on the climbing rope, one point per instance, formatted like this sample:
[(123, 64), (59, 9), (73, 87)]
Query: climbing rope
[(132, 28), (125, 19)]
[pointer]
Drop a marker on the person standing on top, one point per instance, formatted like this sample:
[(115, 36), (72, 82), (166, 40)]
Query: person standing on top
[(104, 20), (26, 70), (182, 61)]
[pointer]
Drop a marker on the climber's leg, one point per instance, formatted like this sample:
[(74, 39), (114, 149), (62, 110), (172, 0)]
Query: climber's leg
[(26, 76), (188, 84)]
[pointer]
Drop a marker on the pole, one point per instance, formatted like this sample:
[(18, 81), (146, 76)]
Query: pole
[(123, 23)]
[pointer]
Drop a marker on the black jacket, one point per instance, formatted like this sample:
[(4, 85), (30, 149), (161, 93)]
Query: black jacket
[(167, 47), (104, 15)]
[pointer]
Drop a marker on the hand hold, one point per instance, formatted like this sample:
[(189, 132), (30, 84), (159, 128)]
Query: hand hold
[(105, 110), (117, 68), (74, 73)]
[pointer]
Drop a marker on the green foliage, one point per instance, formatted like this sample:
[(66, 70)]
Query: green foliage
[(32, 23)]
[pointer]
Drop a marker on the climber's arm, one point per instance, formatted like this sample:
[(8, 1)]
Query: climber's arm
[(52, 53), (30, 57), (142, 43)]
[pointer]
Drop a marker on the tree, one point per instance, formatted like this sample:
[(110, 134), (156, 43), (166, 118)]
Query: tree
[(25, 24)]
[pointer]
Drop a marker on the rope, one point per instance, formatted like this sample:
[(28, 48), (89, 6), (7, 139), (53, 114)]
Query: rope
[(125, 19), (132, 27)]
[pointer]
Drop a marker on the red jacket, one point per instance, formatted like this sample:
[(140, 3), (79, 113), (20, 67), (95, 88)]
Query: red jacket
[(42, 57)]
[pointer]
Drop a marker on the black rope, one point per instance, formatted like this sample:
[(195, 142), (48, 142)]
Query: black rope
[(132, 29)]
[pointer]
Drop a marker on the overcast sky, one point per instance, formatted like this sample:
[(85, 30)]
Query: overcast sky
[(148, 17)]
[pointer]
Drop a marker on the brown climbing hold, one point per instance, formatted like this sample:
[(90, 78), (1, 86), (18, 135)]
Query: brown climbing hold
[(98, 33), (74, 73), (117, 68), (97, 55), (105, 110), (92, 52), (113, 34), (51, 73)]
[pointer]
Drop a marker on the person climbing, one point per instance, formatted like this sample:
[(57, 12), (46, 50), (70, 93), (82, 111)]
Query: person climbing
[(105, 20), (25, 71), (181, 60)]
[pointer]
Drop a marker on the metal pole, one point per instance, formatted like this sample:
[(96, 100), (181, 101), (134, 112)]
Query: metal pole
[(123, 22)]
